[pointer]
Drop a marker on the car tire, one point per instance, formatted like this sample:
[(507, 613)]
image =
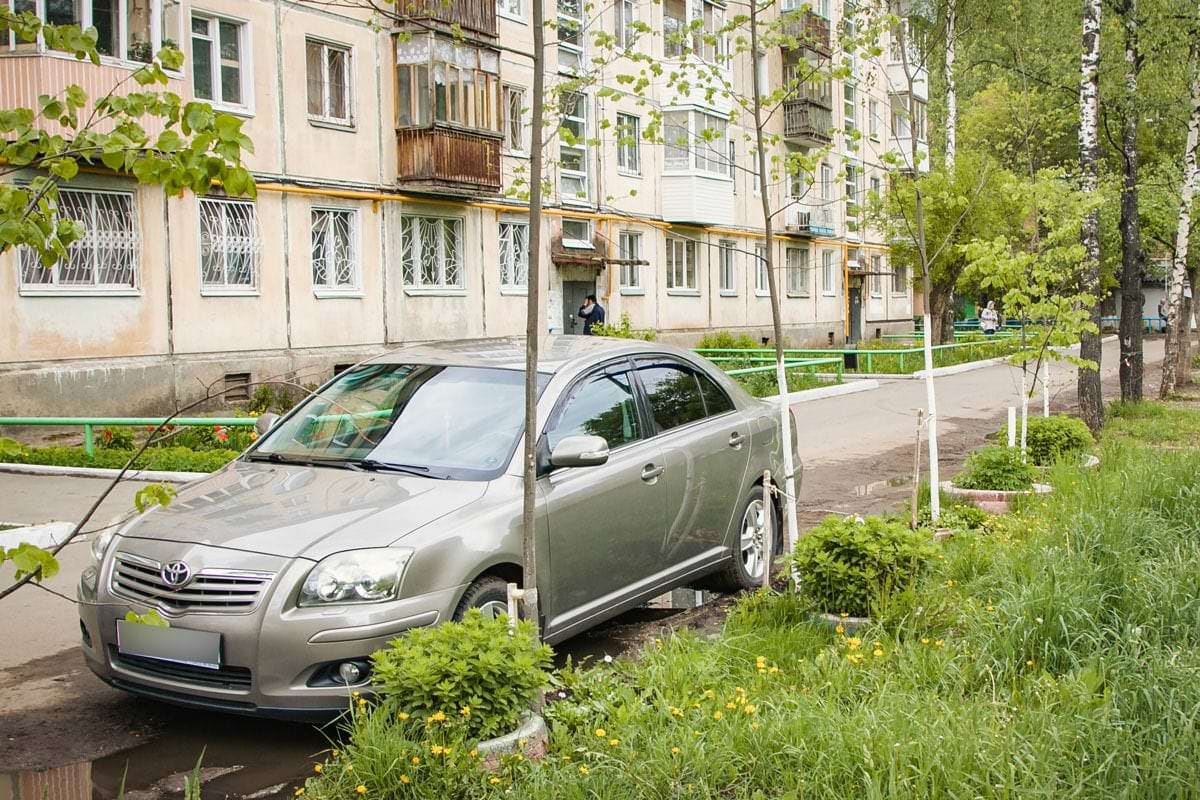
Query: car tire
[(489, 594), (744, 569)]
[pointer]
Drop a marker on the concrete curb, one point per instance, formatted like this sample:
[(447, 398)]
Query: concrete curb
[(827, 391), (954, 369), (147, 475), (45, 535)]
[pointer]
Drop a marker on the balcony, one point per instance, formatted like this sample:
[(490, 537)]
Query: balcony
[(476, 16), (442, 160), (809, 220), (806, 122), (809, 30)]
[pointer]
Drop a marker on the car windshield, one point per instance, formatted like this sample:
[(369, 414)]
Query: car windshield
[(444, 422)]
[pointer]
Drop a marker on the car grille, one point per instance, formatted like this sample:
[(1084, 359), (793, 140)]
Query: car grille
[(235, 678), (136, 578)]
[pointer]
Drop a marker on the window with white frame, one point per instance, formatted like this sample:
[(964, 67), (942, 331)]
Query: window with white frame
[(797, 271), (133, 30), (876, 276), (900, 123), (629, 144), (873, 118), (220, 49), (919, 116), (695, 140), (514, 118), (573, 149), (107, 256), (822, 8), (675, 24), (762, 281), (625, 30), (876, 187), (727, 263), (229, 245), (708, 38), (825, 182), (577, 233), (828, 273), (431, 252), (682, 268), (335, 249), (514, 254), (853, 210), (850, 115), (899, 279), (629, 248), (440, 82), (731, 159), (328, 81), (514, 9), (571, 37)]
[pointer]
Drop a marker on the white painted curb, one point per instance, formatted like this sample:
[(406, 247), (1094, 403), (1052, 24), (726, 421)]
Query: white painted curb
[(827, 391), (48, 534), (147, 475)]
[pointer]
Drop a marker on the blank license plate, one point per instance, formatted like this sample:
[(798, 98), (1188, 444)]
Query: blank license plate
[(196, 648)]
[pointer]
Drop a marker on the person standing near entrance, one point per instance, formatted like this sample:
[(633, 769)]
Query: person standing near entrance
[(592, 313), (989, 320)]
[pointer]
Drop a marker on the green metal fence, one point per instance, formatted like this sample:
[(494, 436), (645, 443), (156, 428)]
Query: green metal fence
[(864, 358), (809, 365), (89, 424)]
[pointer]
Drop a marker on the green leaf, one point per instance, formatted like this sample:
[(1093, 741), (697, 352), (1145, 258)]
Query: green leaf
[(154, 494), (151, 618), (32, 560)]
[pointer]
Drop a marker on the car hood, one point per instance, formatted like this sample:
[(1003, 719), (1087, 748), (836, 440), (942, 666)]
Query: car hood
[(298, 511)]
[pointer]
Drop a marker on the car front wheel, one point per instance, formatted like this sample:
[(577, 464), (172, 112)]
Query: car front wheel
[(489, 594)]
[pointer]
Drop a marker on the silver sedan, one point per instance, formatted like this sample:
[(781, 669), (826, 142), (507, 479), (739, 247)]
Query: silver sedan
[(391, 498)]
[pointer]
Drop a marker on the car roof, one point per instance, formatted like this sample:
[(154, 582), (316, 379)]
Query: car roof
[(555, 354)]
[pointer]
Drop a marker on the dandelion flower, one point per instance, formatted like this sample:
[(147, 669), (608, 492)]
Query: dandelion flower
[(774, 670), (493, 780), (750, 708), (675, 750), (845, 614), (354, 694), (473, 754), (718, 714), (405, 779), (437, 716), (601, 733), (951, 583), (840, 628), (710, 694), (403, 715), (991, 608), (924, 641), (1029, 663), (360, 789), (299, 792), (676, 712), (731, 706), (318, 768), (416, 760), (614, 742), (878, 653), (583, 770), (465, 711), (567, 759)]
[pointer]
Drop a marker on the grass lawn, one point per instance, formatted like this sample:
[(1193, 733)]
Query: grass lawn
[(1054, 656)]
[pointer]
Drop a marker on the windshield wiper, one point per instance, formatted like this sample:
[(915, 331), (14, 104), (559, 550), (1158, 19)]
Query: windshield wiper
[(280, 458), (374, 465)]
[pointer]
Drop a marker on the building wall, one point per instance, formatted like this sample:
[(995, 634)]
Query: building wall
[(159, 341)]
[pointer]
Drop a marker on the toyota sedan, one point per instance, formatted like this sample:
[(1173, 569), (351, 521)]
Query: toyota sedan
[(391, 498)]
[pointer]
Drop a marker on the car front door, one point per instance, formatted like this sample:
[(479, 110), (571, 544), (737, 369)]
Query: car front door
[(705, 445), (606, 521)]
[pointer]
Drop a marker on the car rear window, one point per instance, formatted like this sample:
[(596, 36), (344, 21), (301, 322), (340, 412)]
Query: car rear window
[(674, 394)]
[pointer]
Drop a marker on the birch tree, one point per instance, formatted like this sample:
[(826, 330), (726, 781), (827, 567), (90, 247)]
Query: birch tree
[(951, 22), (1132, 258), (1091, 402)]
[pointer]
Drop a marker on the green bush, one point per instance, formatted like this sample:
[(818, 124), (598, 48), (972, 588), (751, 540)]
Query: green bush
[(115, 438), (998, 469), (725, 340), (268, 397), (763, 384), (624, 330), (1047, 439), (851, 565), (474, 669), (169, 459), (206, 437)]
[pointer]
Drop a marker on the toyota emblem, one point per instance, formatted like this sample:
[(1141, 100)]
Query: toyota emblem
[(175, 574)]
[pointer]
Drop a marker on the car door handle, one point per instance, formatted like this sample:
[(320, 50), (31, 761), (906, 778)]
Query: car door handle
[(736, 439), (650, 472)]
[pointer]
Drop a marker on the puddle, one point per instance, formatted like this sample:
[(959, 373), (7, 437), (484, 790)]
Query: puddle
[(875, 487)]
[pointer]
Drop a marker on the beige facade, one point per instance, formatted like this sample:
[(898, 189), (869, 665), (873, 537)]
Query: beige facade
[(351, 247)]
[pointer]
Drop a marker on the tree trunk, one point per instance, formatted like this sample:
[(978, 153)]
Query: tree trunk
[(951, 87), (785, 412), (533, 327), (1091, 403), (941, 309), (1132, 301), (1178, 329), (1183, 375)]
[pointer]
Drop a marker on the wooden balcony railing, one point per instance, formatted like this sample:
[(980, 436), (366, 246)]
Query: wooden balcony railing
[(448, 161), (478, 16), (810, 29), (807, 122)]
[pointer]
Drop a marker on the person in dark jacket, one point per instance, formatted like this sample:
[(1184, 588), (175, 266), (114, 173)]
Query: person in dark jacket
[(592, 313)]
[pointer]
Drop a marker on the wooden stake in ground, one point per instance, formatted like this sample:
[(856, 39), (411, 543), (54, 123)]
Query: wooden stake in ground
[(768, 530)]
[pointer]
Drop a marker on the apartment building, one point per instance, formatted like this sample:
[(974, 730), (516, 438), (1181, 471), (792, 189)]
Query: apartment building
[(385, 158)]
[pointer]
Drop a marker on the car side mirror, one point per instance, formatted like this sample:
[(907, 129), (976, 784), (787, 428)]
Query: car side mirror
[(265, 422), (580, 451)]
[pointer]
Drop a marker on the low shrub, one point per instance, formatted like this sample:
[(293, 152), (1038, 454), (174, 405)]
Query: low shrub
[(850, 565), (1047, 439), (115, 438), (624, 330), (206, 437), (726, 340), (473, 669), (268, 397), (995, 468), (763, 384), (169, 459)]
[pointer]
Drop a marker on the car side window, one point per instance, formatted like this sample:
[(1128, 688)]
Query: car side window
[(716, 400), (602, 405), (674, 394)]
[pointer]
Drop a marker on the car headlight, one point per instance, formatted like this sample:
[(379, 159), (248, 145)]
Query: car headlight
[(101, 542), (356, 576)]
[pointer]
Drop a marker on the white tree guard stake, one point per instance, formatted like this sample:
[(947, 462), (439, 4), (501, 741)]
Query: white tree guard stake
[(935, 500), (515, 595), (768, 530), (789, 468), (1012, 426), (1024, 408), (1046, 387)]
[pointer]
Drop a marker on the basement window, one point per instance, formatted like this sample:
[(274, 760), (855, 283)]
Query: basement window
[(237, 387)]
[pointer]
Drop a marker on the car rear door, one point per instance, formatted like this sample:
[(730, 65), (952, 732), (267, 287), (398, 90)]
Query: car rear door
[(607, 521), (705, 444)]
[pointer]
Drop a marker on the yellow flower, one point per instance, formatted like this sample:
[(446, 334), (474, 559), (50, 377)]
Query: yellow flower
[(299, 792), (318, 768), (840, 628), (361, 702), (583, 770), (676, 712), (755, 725), (1029, 663), (750, 708), (354, 694), (939, 643), (695, 705), (878, 653), (437, 749), (951, 583), (731, 706), (613, 742), (844, 614), (360, 789), (991, 608), (465, 711), (493, 780), (675, 750), (567, 759), (349, 768), (924, 641), (437, 716), (405, 779), (601, 733), (658, 643), (416, 760), (402, 716), (334, 753), (473, 754), (695, 733), (718, 714), (773, 670), (854, 642), (710, 694)]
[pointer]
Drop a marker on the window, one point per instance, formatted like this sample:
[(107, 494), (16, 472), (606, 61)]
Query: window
[(629, 248), (570, 35), (442, 81), (850, 115), (876, 277), (629, 144), (219, 50), (828, 274), (675, 28), (602, 406), (900, 128), (514, 118), (716, 401), (105, 258), (431, 252), (919, 116), (229, 245), (852, 192), (762, 281), (514, 254), (328, 82), (876, 187), (510, 8), (825, 182), (899, 279), (732, 161), (708, 38), (873, 118), (674, 394), (696, 140), (577, 233), (797, 271), (335, 248), (681, 264), (626, 14), (726, 251), (822, 8), (572, 148), (124, 30)]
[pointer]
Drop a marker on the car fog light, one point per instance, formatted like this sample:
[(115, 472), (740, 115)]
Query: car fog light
[(350, 673)]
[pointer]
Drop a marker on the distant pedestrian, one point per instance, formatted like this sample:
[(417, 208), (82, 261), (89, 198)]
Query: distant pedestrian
[(989, 320), (592, 313)]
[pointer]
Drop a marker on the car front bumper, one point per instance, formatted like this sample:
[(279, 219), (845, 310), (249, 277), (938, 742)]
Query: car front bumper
[(273, 657)]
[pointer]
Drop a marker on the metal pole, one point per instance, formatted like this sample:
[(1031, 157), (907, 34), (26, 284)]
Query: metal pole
[(1046, 388), (1012, 426), (89, 441)]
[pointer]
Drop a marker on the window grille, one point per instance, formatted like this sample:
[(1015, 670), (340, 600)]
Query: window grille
[(229, 244), (334, 257), (431, 252), (108, 254), (514, 254)]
